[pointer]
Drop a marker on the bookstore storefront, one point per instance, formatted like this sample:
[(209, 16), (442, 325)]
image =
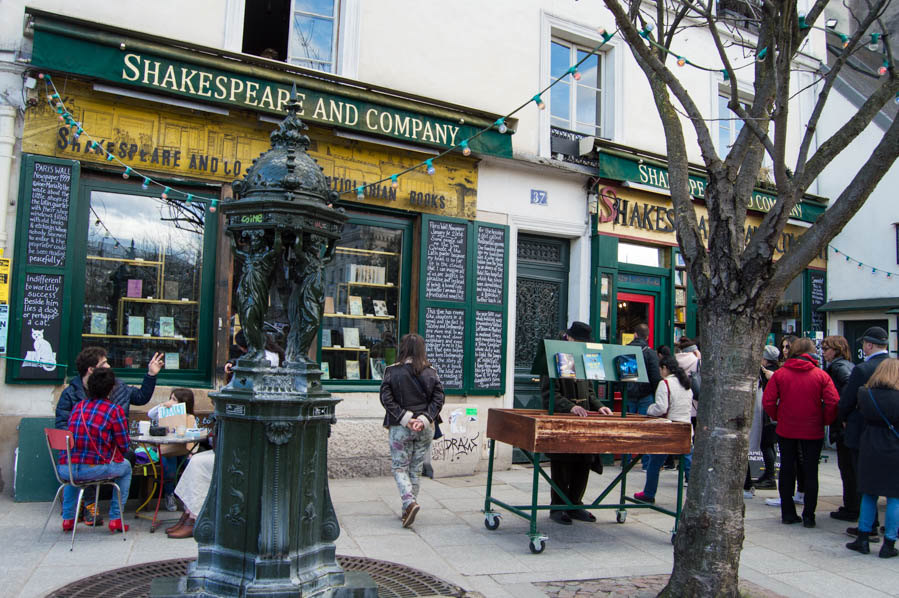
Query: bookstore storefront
[(641, 276), (109, 252)]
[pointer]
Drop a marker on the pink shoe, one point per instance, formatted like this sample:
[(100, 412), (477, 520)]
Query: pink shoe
[(641, 496), (68, 525)]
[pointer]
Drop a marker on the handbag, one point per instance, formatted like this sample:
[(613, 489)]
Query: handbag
[(891, 427), (158, 430), (437, 432)]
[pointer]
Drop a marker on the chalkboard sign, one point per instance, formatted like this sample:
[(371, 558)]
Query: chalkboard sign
[(445, 343), (817, 281), (490, 265), (41, 315), (48, 218), (488, 345), (445, 260)]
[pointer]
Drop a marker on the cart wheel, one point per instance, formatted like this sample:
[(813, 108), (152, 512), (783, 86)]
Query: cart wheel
[(537, 548), (621, 516), (491, 521)]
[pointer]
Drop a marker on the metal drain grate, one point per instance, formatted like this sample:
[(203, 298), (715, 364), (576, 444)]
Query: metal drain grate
[(394, 580)]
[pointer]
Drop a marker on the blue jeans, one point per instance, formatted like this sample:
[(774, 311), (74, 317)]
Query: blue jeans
[(170, 466), (655, 466), (640, 407), (869, 512), (83, 473)]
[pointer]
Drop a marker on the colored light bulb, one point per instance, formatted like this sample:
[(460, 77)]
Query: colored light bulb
[(212, 206), (127, 172), (430, 164), (360, 192), (109, 157), (466, 151), (394, 181), (165, 193), (539, 101), (883, 68), (501, 125), (146, 184), (681, 61), (189, 199), (575, 74)]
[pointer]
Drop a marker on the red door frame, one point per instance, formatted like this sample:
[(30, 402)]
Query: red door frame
[(650, 301)]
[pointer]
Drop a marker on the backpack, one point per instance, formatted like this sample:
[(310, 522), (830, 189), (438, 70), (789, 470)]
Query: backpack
[(696, 381)]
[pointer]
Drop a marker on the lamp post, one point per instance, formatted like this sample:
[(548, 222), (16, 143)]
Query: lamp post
[(268, 527)]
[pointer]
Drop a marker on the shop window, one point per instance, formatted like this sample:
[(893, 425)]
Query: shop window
[(788, 312), (309, 38), (143, 280), (641, 255), (364, 306), (576, 105)]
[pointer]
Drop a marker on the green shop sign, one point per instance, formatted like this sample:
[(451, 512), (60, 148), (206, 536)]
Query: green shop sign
[(620, 168), (76, 55)]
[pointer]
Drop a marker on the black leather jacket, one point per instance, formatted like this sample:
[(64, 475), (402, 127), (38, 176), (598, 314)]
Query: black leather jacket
[(400, 393)]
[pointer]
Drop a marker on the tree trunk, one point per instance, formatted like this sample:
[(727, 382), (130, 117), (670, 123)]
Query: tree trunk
[(709, 540)]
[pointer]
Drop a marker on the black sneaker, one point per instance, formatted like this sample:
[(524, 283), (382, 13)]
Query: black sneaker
[(90, 516), (872, 537), (560, 517), (844, 515), (765, 484)]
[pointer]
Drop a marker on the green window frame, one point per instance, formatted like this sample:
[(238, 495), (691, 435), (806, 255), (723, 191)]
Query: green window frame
[(405, 225)]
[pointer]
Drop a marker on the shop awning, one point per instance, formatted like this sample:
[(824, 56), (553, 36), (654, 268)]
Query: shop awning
[(879, 303)]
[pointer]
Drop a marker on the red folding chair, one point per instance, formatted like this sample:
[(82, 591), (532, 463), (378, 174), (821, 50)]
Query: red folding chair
[(61, 440)]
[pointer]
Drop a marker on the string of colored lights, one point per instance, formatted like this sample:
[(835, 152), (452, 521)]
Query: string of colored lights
[(863, 266), (55, 101)]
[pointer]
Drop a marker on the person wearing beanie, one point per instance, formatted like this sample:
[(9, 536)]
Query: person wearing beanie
[(803, 400), (570, 471)]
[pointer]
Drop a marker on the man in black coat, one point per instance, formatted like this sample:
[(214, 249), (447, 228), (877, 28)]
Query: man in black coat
[(570, 471), (874, 346)]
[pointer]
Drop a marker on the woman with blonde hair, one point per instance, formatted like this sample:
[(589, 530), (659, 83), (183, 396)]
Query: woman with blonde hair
[(878, 459)]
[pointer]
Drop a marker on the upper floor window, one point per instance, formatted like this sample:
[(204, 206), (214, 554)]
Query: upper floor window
[(301, 32), (576, 105), (729, 127)]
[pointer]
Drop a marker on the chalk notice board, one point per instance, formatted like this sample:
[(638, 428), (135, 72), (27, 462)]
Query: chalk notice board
[(48, 218), (817, 282), (445, 260), (488, 345), (490, 265), (445, 344), (40, 304)]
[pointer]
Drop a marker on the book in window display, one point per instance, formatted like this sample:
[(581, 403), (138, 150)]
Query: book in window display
[(350, 337), (173, 361), (170, 290), (329, 305), (135, 287), (680, 296), (135, 325), (378, 365), (380, 307), (355, 303), (166, 327), (352, 369), (326, 337), (98, 323), (326, 370)]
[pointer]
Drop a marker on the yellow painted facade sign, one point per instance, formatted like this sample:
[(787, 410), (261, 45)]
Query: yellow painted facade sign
[(156, 139), (650, 217)]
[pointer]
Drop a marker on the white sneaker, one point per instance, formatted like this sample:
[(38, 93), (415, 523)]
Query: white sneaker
[(170, 502), (748, 493), (798, 498)]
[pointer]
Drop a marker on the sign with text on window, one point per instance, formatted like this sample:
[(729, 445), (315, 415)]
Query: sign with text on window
[(221, 148)]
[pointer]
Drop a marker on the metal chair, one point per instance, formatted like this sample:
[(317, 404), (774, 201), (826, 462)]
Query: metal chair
[(61, 440)]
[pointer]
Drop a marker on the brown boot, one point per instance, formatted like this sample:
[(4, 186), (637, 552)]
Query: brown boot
[(184, 517), (185, 531)]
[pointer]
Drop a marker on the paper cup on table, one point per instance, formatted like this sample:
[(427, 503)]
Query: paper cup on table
[(180, 430), (143, 428)]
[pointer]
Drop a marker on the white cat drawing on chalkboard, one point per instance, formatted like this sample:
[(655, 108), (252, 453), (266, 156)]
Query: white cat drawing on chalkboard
[(43, 350)]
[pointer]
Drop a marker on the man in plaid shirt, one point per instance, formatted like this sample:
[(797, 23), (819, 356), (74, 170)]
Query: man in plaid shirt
[(100, 438)]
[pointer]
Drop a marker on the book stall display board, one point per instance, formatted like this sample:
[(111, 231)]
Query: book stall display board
[(536, 431)]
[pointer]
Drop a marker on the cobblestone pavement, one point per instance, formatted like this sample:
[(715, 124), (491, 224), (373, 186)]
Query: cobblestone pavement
[(647, 586)]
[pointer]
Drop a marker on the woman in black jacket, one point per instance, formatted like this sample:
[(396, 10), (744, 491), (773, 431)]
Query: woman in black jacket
[(412, 395), (839, 366), (878, 459)]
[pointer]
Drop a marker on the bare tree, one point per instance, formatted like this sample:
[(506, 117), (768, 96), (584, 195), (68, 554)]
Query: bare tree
[(737, 281)]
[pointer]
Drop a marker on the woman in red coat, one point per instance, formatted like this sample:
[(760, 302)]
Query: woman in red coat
[(802, 399)]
